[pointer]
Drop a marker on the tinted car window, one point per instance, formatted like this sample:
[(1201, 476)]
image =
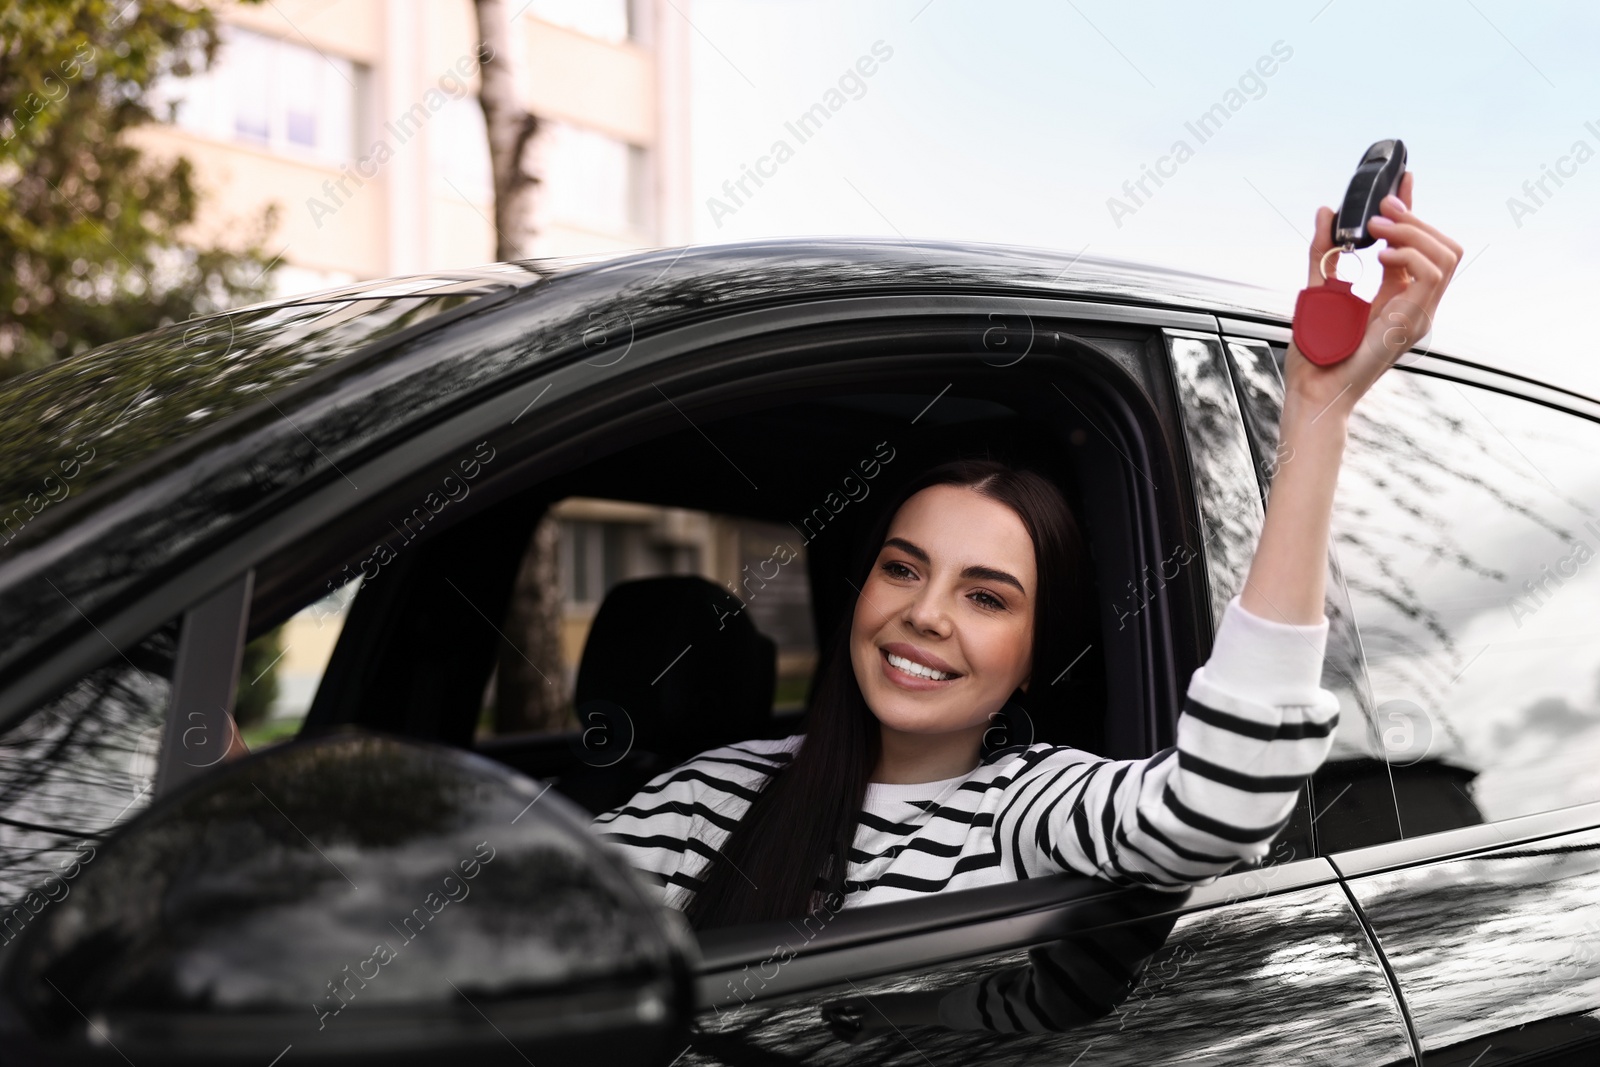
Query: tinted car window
[(75, 767), (1225, 487), (1467, 523)]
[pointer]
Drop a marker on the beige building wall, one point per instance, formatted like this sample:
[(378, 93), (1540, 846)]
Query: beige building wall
[(406, 72)]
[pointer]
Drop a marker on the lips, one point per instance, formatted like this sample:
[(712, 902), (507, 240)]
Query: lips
[(909, 680), (917, 655)]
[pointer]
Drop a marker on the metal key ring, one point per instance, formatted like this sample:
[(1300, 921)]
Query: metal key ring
[(1322, 265)]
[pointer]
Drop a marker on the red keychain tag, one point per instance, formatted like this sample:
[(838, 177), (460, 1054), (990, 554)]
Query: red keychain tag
[(1329, 319)]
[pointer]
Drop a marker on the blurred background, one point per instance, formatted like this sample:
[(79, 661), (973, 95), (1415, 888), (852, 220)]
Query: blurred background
[(162, 160)]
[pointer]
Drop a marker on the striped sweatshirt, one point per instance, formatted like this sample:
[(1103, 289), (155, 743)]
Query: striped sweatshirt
[(1254, 724)]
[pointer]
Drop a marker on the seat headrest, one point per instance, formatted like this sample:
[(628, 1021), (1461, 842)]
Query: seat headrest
[(679, 654)]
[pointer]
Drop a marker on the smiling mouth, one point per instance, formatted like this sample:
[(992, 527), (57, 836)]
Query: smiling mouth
[(916, 670)]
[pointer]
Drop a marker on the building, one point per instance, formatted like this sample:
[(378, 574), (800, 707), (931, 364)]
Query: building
[(359, 120)]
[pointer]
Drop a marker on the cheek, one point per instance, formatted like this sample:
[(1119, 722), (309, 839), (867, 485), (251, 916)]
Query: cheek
[(860, 626), (876, 604), (1005, 650)]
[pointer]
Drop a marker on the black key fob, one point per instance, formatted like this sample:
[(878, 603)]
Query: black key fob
[(1377, 176)]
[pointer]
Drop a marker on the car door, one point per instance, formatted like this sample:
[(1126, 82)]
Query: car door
[(1272, 964), (1465, 813)]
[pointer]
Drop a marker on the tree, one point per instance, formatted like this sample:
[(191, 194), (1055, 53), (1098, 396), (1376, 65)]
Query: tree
[(258, 688), (92, 244), (511, 130), (530, 691)]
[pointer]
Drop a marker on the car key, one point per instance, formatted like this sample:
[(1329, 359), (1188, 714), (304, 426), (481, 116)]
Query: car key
[(1377, 176), (1329, 319)]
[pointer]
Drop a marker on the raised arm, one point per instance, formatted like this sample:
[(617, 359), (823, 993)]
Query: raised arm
[(1255, 721), (1285, 582)]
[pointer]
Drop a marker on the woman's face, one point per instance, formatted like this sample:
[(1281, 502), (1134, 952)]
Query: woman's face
[(952, 588)]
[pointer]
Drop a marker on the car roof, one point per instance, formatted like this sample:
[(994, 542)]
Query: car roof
[(131, 398), (167, 433)]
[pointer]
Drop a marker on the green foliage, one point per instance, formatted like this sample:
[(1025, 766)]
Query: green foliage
[(91, 246), (270, 733), (258, 679)]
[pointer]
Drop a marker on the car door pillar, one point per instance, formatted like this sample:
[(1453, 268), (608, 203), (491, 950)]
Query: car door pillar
[(200, 727)]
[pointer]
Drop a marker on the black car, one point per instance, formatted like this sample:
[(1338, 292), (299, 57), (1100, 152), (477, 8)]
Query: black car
[(170, 497)]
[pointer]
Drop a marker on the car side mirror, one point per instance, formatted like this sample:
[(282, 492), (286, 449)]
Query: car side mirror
[(359, 899)]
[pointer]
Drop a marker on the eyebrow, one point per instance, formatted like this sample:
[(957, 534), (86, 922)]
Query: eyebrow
[(988, 573)]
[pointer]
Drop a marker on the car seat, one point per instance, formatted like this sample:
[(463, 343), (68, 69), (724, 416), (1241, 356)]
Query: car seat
[(672, 666)]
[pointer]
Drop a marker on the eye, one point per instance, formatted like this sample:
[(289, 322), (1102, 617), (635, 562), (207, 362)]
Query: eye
[(989, 601), (895, 569)]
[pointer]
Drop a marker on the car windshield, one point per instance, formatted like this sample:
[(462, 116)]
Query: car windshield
[(75, 423)]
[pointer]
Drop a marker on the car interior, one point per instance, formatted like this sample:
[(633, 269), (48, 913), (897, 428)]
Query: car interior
[(420, 641)]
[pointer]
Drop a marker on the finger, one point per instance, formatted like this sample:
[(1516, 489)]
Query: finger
[(1428, 274), (1395, 281), (1410, 235), (1403, 213), (1321, 241)]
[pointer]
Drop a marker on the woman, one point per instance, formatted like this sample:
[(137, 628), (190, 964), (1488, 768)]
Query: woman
[(972, 578)]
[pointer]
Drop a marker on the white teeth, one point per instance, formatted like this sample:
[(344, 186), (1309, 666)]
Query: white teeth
[(913, 667)]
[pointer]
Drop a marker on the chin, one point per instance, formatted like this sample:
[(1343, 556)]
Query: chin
[(911, 713), (913, 720)]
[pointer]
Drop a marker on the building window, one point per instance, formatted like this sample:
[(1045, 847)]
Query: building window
[(607, 20), (592, 181), (458, 152), (739, 555), (276, 94), (593, 558)]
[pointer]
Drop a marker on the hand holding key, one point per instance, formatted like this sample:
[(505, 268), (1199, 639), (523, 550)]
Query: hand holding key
[(1342, 355)]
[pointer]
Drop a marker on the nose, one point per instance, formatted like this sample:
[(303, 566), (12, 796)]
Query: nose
[(927, 612)]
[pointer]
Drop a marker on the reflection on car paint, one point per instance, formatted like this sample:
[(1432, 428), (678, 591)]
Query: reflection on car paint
[(1286, 979), (168, 393), (1489, 942), (248, 906), (1454, 506), (1219, 455), (80, 765)]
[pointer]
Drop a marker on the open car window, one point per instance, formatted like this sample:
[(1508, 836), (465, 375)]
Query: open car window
[(629, 518)]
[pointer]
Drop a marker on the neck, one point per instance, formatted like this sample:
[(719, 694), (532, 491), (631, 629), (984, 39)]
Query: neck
[(909, 758)]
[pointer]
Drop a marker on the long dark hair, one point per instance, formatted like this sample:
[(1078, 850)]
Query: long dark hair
[(788, 855)]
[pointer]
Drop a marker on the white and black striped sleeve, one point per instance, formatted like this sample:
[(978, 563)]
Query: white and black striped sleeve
[(670, 828), (1255, 724)]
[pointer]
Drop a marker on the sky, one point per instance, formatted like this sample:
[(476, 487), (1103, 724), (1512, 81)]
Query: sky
[(1017, 122)]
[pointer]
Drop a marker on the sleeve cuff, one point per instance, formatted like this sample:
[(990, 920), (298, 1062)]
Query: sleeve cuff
[(1280, 661)]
